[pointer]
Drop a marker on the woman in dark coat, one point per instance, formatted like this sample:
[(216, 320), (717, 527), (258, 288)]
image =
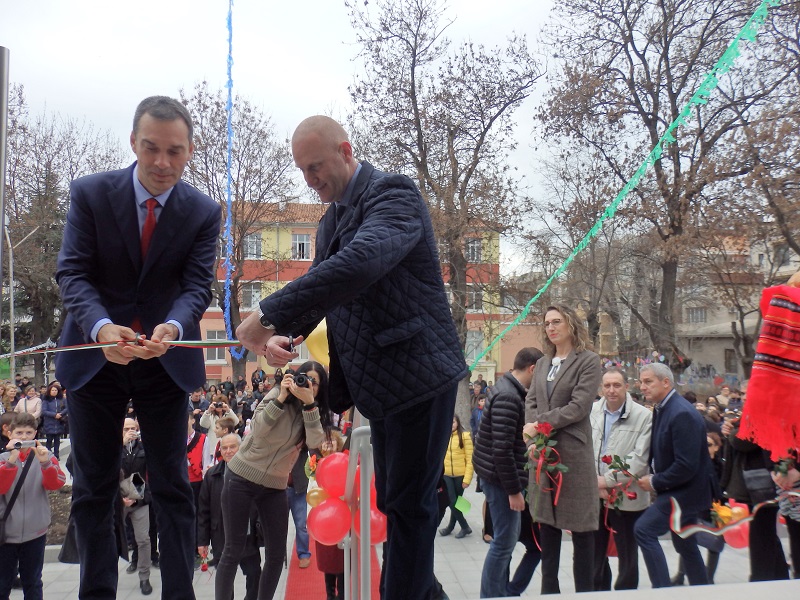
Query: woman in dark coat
[(565, 385), (54, 415)]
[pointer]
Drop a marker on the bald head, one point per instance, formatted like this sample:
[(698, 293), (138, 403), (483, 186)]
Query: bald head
[(326, 130), (322, 151)]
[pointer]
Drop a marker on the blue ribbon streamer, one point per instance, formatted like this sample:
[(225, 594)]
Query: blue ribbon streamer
[(237, 353)]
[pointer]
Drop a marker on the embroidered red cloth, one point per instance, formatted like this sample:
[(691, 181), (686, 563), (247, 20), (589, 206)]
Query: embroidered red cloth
[(771, 415)]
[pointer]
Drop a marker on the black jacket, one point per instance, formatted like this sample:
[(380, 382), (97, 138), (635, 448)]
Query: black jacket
[(209, 515), (133, 461), (499, 453)]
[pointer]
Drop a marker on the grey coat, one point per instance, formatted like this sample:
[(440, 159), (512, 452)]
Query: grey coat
[(567, 410)]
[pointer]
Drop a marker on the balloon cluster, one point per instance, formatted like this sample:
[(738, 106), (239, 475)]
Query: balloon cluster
[(738, 537), (329, 518)]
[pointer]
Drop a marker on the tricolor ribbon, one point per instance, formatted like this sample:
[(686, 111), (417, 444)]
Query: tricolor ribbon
[(47, 349), (684, 532)]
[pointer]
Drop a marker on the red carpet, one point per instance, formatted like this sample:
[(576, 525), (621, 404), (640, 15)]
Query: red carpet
[(309, 584)]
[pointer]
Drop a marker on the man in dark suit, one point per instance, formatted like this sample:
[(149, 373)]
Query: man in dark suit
[(393, 346), (681, 467), (135, 267)]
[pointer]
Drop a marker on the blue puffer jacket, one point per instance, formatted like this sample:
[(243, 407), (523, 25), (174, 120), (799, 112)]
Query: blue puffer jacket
[(376, 277), (51, 407)]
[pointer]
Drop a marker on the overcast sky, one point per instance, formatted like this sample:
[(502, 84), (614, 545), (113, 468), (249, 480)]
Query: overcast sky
[(96, 59)]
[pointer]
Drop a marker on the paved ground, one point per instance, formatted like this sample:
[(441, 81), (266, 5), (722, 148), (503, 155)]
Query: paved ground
[(458, 567)]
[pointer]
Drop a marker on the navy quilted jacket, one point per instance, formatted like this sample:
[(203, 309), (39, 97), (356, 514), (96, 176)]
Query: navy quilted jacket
[(377, 279)]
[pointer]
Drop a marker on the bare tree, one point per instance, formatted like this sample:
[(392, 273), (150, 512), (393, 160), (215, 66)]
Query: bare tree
[(444, 117), (45, 153), (260, 183), (628, 67)]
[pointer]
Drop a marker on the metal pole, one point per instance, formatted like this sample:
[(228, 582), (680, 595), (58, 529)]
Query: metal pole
[(4, 54), (11, 318), (358, 553)]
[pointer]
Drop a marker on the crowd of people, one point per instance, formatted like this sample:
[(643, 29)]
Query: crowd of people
[(672, 445), (629, 452)]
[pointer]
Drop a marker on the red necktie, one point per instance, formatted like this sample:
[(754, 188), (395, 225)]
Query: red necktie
[(147, 235), (149, 225)]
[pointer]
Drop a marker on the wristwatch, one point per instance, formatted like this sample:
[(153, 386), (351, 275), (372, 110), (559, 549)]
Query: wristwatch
[(265, 322)]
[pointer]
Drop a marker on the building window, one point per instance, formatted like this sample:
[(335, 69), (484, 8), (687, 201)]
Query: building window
[(696, 314), (301, 246), (474, 297), (474, 345), (731, 362), (216, 354), (473, 253), (251, 295), (252, 246)]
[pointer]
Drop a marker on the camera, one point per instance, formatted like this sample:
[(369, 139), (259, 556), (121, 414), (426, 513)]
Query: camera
[(301, 380), (218, 404), (27, 444)]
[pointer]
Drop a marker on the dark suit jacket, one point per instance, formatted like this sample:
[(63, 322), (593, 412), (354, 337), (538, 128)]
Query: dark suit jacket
[(679, 455), (101, 275), (377, 278)]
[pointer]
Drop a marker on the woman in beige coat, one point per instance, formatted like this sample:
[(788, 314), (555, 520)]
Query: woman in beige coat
[(565, 385)]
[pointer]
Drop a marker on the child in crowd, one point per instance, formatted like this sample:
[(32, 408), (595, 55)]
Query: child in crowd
[(330, 559), (25, 530)]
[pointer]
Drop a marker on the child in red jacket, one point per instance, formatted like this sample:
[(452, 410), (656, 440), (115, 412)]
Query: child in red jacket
[(26, 526)]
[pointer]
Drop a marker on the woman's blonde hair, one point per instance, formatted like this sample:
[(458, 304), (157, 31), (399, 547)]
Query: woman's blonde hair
[(580, 335)]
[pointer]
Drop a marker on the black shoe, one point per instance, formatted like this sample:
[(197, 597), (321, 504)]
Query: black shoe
[(146, 588), (445, 531), (463, 533), (154, 563), (132, 566)]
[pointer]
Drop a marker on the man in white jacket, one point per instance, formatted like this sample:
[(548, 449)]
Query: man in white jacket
[(620, 427)]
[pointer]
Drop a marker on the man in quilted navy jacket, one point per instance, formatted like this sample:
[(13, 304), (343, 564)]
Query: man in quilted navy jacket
[(393, 345)]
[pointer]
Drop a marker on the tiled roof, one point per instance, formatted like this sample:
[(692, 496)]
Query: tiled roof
[(292, 212)]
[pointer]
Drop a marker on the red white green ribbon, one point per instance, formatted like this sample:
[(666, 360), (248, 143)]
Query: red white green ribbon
[(175, 343)]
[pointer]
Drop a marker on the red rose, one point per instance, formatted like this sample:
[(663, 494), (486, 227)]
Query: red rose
[(631, 495), (544, 428), (607, 459)]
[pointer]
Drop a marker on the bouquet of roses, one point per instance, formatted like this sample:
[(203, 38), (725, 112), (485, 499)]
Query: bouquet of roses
[(618, 465), (545, 459)]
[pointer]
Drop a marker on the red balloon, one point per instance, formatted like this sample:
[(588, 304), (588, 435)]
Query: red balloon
[(377, 526), (373, 493), (329, 521), (738, 537), (332, 473)]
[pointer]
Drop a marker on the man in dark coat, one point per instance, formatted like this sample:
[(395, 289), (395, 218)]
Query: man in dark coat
[(681, 469), (394, 351), (137, 509), (210, 523), (499, 460)]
